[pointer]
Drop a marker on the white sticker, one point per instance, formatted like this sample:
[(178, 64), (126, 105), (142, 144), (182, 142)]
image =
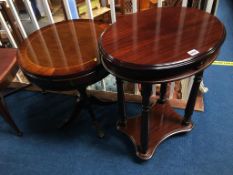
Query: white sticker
[(193, 52)]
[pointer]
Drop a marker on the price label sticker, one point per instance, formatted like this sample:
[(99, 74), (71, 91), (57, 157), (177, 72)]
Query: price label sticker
[(193, 52)]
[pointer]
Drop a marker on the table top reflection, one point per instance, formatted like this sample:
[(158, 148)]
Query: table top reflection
[(162, 36), (61, 49), (158, 46)]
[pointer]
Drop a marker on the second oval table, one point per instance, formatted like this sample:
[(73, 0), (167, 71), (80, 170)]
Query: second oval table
[(64, 56), (158, 46)]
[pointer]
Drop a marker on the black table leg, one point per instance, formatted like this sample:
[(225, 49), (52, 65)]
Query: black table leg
[(88, 105), (121, 102), (146, 93), (79, 105), (83, 101), (192, 99), (163, 89), (7, 117), (155, 124)]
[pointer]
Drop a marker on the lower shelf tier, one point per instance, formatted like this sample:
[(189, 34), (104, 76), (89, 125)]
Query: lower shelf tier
[(163, 123)]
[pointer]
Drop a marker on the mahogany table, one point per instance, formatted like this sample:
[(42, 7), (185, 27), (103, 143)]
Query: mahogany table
[(159, 46), (64, 56), (8, 69)]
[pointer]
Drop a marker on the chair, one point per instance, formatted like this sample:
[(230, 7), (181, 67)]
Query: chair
[(8, 69)]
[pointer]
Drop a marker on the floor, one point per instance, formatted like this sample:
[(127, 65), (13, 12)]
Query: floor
[(44, 149)]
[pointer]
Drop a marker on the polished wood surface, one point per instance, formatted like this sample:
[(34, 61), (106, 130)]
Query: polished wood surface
[(159, 46), (158, 129), (8, 69), (159, 39), (63, 56), (8, 66), (157, 122), (61, 49)]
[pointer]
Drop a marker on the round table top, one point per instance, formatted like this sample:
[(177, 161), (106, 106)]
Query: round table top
[(161, 38), (62, 49)]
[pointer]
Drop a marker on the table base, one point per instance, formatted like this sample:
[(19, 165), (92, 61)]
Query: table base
[(163, 123), (85, 101), (7, 117)]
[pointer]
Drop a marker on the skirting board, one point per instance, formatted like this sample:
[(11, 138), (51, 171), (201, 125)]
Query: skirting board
[(112, 96)]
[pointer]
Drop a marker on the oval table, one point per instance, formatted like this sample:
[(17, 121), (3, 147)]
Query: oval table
[(64, 56), (158, 46)]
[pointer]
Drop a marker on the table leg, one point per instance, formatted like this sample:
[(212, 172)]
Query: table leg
[(79, 105), (121, 102), (7, 117), (192, 99), (163, 90), (146, 93), (83, 102), (155, 124), (88, 103)]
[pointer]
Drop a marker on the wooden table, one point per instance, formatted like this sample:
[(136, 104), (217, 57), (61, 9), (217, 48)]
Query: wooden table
[(64, 56), (8, 69), (159, 46)]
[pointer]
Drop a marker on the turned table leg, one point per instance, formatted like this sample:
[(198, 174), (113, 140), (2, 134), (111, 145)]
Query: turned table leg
[(155, 123), (192, 99), (163, 90), (121, 102), (146, 93)]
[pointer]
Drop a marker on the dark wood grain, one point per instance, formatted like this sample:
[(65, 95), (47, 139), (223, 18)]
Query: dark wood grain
[(153, 47), (163, 123), (157, 41), (62, 56), (65, 48)]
